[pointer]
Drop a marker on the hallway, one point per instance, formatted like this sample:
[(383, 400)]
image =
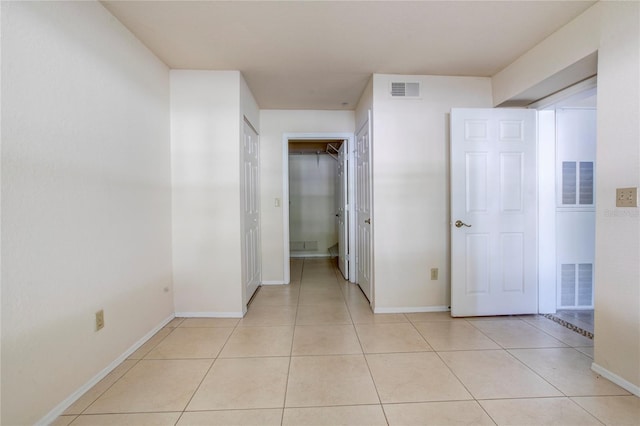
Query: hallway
[(312, 353)]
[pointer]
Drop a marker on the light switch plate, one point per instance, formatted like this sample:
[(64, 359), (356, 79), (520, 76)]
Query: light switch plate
[(627, 197)]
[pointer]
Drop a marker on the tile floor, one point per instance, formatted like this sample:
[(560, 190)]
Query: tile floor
[(579, 318), (312, 353)]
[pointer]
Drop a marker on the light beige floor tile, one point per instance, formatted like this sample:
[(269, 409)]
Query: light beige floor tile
[(497, 318), (362, 314), (431, 316), (561, 333), (187, 342), (414, 377), (320, 289), (394, 337), (516, 333), (454, 336), (325, 340), (210, 322), (437, 414), (152, 386), (320, 296), (319, 286), (240, 383), (134, 419), (276, 296), (579, 323), (323, 315), (259, 341), (266, 417), (151, 343), (63, 420), (353, 296), (496, 374), (330, 380), (538, 411), (568, 370), (175, 322), (612, 410), (587, 351), (92, 394), (370, 415), (269, 315)]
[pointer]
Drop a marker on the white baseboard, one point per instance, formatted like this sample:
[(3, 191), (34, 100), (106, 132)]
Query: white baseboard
[(411, 310), (308, 255), (273, 283), (209, 314), (625, 384), (60, 408)]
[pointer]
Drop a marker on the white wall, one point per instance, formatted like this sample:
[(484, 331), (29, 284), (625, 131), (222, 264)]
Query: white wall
[(617, 289), (86, 199), (612, 29), (365, 104), (411, 187), (273, 125), (205, 149), (312, 201), (571, 43)]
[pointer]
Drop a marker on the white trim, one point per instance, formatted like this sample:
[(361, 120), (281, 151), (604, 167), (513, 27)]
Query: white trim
[(66, 403), (209, 315), (547, 260), (634, 389), (273, 283), (410, 310)]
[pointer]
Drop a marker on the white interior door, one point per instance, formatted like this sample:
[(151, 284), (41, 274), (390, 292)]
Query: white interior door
[(251, 212), (343, 212), (363, 208), (493, 212)]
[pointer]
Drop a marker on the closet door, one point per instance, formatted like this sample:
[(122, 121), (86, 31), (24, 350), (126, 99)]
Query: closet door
[(251, 271), (363, 209)]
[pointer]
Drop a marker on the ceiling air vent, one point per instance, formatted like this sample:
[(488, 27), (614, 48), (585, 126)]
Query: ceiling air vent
[(405, 90)]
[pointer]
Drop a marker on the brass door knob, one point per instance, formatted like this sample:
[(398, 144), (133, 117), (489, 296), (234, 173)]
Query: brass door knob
[(460, 224)]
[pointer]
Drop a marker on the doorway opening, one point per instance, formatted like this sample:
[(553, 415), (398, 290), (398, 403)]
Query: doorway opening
[(567, 206), (317, 196)]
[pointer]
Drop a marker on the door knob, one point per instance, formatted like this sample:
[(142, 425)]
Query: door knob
[(460, 224), (368, 221)]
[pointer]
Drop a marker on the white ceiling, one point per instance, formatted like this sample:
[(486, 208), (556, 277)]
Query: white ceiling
[(320, 54)]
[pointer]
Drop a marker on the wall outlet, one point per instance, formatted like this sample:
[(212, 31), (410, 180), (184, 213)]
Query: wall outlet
[(434, 274), (627, 197), (99, 319)]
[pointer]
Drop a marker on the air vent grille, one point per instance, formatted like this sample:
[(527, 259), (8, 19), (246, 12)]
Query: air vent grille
[(577, 183), (576, 285), (405, 90)]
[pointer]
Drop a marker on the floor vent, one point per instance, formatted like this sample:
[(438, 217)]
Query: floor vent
[(303, 245)]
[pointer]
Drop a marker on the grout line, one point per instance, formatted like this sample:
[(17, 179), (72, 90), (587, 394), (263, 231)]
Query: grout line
[(209, 369)]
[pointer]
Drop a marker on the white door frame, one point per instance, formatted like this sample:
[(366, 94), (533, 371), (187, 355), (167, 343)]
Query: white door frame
[(348, 138)]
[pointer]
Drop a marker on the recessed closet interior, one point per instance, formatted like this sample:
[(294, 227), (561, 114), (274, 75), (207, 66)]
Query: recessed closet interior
[(313, 198)]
